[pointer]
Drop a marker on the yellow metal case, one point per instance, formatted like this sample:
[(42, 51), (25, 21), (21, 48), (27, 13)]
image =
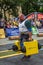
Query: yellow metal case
[(31, 47), (17, 43)]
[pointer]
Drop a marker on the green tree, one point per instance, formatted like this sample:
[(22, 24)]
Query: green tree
[(27, 6)]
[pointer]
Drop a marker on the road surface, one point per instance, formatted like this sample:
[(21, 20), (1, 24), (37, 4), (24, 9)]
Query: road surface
[(16, 59)]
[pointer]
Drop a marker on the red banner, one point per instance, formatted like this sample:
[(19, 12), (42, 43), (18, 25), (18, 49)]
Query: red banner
[(40, 16)]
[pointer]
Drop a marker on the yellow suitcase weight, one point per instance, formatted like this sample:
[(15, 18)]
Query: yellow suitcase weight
[(31, 47), (14, 48), (16, 45)]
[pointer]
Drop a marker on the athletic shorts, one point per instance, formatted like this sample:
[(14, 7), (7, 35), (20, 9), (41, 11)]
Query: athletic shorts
[(30, 30)]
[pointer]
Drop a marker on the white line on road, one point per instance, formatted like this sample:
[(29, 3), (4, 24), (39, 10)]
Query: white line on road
[(5, 44), (5, 51)]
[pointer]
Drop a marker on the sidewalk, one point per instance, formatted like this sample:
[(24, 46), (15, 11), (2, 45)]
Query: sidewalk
[(7, 41), (37, 38)]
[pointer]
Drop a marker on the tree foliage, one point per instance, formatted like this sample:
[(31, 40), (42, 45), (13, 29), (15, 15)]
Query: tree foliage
[(27, 6)]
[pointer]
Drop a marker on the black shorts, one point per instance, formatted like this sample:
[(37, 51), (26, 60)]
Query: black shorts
[(24, 36)]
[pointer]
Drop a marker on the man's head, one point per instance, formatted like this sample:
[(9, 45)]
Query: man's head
[(22, 18)]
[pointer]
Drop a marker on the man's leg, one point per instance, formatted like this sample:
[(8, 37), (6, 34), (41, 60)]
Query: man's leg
[(30, 35), (21, 40), (26, 36)]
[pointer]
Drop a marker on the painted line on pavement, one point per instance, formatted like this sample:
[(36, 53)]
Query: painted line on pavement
[(5, 51), (5, 44), (10, 55)]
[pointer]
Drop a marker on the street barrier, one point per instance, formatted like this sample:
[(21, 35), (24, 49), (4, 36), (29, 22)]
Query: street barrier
[(40, 32), (2, 33), (34, 30), (12, 33)]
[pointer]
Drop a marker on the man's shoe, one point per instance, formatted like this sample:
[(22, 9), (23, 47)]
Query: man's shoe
[(26, 57)]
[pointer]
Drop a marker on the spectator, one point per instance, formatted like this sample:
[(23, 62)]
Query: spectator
[(2, 23), (38, 24), (7, 25), (0, 20), (41, 21)]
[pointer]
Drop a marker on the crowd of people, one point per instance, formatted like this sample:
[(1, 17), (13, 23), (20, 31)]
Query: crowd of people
[(39, 23), (12, 23), (8, 24)]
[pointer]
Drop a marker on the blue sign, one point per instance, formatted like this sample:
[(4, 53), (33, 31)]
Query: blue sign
[(12, 31)]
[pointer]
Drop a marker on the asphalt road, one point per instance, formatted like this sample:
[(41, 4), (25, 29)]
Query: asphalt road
[(34, 60), (16, 60), (5, 47)]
